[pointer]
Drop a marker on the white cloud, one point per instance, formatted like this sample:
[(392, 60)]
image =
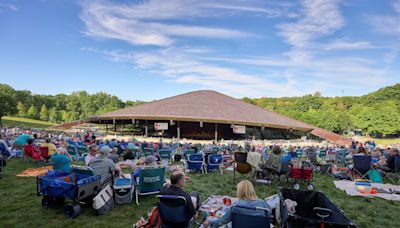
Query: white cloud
[(341, 44), (9, 7), (149, 22), (320, 18), (389, 25)]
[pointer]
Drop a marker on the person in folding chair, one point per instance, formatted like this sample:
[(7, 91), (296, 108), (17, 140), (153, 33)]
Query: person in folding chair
[(249, 210), (175, 188)]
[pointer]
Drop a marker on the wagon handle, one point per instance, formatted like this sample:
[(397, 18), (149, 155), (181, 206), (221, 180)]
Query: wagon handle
[(322, 212)]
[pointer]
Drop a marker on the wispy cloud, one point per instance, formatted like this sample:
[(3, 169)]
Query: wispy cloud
[(344, 44), (319, 18), (9, 7), (149, 23), (389, 23)]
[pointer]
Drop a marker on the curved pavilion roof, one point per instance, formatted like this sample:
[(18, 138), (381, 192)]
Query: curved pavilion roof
[(207, 106), (212, 107)]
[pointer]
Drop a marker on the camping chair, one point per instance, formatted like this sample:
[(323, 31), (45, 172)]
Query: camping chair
[(165, 155), (44, 152), (73, 151), (362, 164), (278, 168), (299, 153), (195, 163), (173, 211), (322, 153), (241, 219), (188, 152), (341, 156), (151, 180), (395, 174), (214, 162), (240, 165), (148, 151)]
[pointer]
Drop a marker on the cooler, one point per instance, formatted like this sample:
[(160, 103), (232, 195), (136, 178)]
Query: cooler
[(123, 188)]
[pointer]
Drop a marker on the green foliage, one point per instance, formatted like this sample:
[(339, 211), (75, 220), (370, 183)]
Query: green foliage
[(44, 113), (8, 102), (33, 112), (376, 113), (58, 108)]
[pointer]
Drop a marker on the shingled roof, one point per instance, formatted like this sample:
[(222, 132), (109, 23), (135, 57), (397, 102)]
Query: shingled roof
[(207, 106)]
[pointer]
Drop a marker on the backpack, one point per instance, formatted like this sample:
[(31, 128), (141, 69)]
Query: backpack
[(103, 202), (177, 157), (153, 221)]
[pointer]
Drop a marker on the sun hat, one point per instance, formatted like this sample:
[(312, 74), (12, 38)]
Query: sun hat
[(105, 150)]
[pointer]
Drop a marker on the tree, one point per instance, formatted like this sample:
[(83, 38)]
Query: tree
[(33, 112), (44, 113), (21, 109), (8, 103), (53, 115)]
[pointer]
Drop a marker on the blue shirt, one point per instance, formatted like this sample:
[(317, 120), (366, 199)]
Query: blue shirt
[(61, 162)]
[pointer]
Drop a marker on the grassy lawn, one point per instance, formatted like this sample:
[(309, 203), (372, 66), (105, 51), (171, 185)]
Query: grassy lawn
[(18, 121), (21, 207)]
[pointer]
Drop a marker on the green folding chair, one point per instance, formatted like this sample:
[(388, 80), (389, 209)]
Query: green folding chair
[(151, 180), (73, 151), (188, 152), (165, 154), (148, 151)]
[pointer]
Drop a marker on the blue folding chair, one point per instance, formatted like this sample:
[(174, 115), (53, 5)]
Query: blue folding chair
[(244, 216), (214, 162), (173, 211), (195, 163), (362, 164)]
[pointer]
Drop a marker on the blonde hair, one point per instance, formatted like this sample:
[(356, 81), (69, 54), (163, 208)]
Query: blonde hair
[(245, 190)]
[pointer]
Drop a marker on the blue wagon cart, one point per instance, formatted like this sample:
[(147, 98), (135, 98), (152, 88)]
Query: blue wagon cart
[(78, 186)]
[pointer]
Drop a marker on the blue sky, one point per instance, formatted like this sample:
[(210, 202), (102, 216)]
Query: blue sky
[(151, 49)]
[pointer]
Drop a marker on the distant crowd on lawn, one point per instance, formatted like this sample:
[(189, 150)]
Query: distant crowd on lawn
[(30, 141)]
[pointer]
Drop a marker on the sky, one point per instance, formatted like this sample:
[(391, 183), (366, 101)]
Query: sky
[(152, 49)]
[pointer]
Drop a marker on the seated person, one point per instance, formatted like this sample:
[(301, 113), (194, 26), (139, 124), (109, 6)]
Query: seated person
[(114, 156), (393, 153), (247, 197), (275, 160), (92, 154), (178, 180), (149, 161), (292, 152), (30, 150), (51, 147), (103, 166), (129, 154), (61, 160)]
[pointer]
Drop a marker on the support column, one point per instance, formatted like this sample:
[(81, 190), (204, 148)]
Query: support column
[(146, 130), (216, 133), (178, 130), (107, 128), (254, 133), (115, 126)]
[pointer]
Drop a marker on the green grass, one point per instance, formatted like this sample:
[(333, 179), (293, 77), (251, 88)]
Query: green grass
[(18, 121), (21, 207)]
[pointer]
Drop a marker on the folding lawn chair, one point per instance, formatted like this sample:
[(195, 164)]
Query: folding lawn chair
[(322, 153), (148, 151), (395, 174), (173, 211), (188, 152), (151, 180), (44, 152), (240, 165), (242, 219), (195, 163), (165, 155), (73, 151), (362, 164), (214, 162)]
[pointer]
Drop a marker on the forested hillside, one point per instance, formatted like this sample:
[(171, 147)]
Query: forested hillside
[(377, 113)]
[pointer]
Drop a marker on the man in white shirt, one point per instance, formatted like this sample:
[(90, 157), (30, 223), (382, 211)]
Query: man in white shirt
[(92, 153)]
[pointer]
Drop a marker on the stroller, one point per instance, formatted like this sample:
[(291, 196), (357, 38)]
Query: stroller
[(303, 172), (79, 185), (313, 209)]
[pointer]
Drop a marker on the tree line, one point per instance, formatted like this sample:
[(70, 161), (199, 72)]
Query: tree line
[(58, 108), (376, 114)]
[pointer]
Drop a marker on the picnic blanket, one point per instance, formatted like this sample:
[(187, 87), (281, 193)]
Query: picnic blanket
[(350, 188), (253, 158), (34, 172)]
